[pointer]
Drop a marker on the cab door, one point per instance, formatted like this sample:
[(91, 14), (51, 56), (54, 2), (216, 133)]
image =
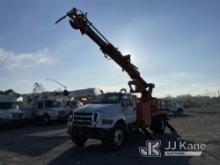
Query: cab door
[(128, 108)]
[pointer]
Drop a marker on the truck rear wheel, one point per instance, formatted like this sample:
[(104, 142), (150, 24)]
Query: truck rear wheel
[(78, 140), (158, 125)]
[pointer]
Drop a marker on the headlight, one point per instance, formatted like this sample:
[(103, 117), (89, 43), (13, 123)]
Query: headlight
[(107, 121)]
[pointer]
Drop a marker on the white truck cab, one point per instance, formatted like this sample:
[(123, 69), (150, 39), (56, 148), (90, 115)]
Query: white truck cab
[(9, 111), (48, 106), (48, 109), (107, 118)]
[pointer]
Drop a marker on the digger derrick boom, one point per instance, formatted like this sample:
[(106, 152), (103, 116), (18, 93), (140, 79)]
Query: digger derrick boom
[(146, 104), (137, 85)]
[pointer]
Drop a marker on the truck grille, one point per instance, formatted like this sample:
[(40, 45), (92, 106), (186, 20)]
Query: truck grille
[(83, 119)]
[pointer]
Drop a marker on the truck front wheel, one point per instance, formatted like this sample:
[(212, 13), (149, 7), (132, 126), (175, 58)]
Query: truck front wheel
[(118, 136)]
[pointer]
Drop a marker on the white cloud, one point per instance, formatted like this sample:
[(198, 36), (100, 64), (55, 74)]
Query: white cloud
[(11, 60)]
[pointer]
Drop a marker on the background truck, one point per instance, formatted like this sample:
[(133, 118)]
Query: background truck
[(147, 114), (9, 111), (49, 109), (171, 106), (48, 106)]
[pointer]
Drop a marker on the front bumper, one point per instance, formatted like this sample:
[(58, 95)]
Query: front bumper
[(96, 133)]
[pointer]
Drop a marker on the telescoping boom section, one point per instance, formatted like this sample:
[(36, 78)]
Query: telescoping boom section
[(146, 104)]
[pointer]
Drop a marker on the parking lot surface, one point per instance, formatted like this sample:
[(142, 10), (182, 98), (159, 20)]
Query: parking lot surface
[(38, 145)]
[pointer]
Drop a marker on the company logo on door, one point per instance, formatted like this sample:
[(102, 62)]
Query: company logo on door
[(176, 148)]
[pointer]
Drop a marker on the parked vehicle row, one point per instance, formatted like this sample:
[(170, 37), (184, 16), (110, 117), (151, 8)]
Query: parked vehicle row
[(43, 108)]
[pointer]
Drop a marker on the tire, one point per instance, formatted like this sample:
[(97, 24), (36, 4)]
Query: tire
[(117, 138), (78, 140), (46, 119), (158, 125)]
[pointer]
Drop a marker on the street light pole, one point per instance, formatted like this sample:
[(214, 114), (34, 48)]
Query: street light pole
[(50, 79)]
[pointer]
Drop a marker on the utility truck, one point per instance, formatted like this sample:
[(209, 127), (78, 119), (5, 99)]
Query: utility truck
[(115, 113), (51, 106), (48, 106), (49, 109), (172, 106), (10, 114)]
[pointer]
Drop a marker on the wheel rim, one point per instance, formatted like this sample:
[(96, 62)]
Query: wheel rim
[(118, 137)]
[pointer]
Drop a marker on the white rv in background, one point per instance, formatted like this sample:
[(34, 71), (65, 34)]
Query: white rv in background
[(9, 111)]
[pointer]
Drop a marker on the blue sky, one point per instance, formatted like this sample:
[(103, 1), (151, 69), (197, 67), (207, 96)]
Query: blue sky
[(174, 43)]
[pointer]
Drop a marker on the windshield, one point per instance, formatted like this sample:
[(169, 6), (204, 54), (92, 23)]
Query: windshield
[(7, 105), (50, 104), (110, 98)]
